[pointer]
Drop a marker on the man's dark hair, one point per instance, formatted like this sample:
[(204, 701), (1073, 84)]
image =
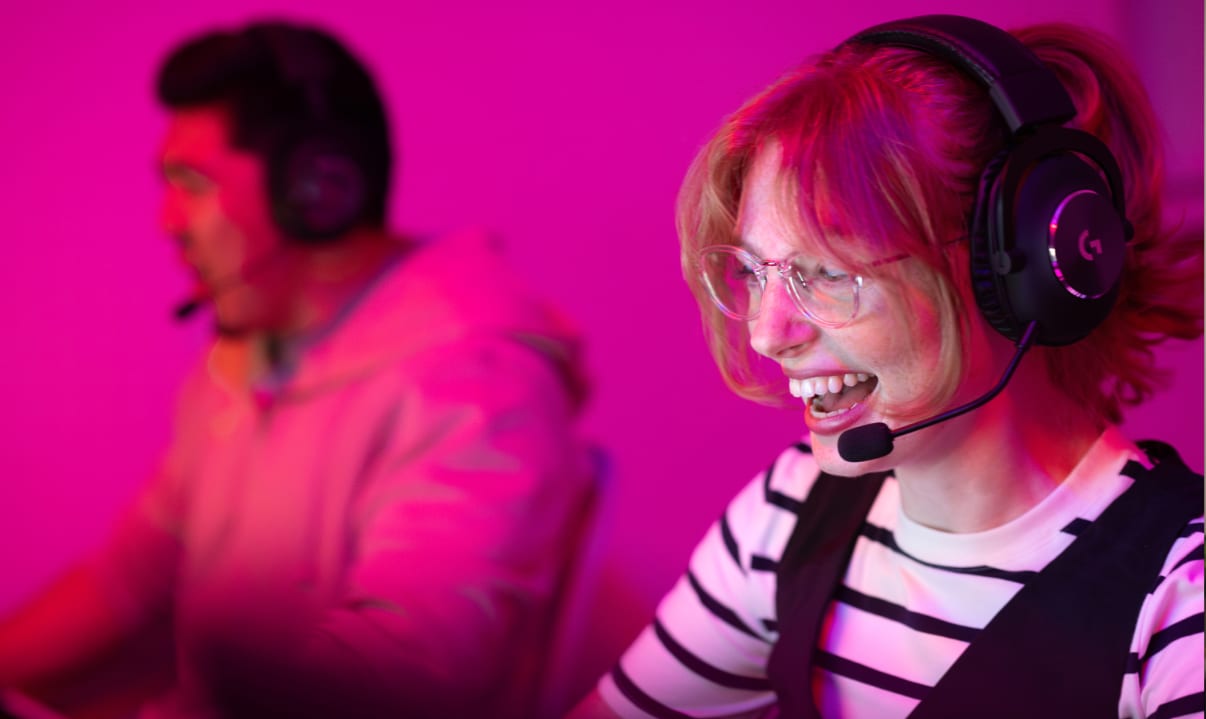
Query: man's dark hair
[(284, 84)]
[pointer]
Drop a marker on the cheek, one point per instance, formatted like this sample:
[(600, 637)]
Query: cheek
[(912, 351), (208, 217), (214, 232), (245, 222), (917, 364), (986, 349), (217, 242), (248, 207)]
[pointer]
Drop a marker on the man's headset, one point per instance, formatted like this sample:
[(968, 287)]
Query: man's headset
[(1049, 227), (315, 175), (316, 181)]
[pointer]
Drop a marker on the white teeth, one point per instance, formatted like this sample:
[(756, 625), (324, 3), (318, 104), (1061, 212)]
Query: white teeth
[(831, 384)]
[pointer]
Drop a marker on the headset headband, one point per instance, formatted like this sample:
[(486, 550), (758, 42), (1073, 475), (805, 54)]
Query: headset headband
[(1024, 90)]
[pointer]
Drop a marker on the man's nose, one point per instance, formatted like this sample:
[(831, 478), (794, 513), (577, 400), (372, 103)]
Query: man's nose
[(172, 218)]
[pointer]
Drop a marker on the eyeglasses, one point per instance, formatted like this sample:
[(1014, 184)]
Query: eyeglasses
[(736, 278)]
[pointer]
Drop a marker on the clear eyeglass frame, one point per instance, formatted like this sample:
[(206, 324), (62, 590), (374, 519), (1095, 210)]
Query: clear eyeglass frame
[(829, 301)]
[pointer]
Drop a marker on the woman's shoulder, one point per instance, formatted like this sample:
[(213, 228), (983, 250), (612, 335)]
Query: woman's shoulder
[(786, 481), (761, 517)]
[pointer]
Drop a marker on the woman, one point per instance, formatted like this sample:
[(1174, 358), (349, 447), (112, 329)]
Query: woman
[(828, 227)]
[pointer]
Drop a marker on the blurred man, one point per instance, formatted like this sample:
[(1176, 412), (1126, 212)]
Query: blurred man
[(374, 485)]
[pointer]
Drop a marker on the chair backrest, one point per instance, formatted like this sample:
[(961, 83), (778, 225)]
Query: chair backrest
[(564, 681)]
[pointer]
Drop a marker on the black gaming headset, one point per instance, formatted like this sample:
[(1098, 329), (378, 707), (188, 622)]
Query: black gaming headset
[(316, 184), (1049, 228)]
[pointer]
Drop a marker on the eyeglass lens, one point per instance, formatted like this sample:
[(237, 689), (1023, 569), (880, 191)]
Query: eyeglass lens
[(736, 279)]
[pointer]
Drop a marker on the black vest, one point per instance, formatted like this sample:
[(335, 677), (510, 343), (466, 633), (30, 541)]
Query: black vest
[(1059, 648)]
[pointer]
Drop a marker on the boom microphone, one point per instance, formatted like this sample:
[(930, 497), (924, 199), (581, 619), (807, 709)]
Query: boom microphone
[(185, 309), (872, 441)]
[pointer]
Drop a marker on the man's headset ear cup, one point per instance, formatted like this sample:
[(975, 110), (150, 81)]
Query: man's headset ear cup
[(318, 192)]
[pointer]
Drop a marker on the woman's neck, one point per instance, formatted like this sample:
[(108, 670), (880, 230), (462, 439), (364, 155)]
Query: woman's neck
[(994, 464)]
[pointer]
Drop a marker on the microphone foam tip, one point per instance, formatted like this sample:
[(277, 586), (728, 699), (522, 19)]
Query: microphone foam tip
[(866, 442)]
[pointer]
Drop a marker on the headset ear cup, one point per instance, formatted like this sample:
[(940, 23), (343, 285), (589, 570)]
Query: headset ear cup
[(991, 298), (1073, 239), (318, 192), (1049, 239)]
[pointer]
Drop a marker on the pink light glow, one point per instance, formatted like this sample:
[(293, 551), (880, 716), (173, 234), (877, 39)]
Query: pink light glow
[(564, 127)]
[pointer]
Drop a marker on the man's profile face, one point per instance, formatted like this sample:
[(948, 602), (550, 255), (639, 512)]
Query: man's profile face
[(215, 205)]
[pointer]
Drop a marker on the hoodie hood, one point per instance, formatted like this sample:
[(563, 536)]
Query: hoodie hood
[(442, 291)]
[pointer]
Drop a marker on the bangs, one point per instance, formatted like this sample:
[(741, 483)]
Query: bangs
[(854, 177)]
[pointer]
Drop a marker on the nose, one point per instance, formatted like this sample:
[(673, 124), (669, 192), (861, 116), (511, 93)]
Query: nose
[(780, 329), (172, 218)]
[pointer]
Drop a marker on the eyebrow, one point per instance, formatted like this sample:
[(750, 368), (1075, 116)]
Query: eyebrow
[(174, 169), (169, 166), (739, 243)]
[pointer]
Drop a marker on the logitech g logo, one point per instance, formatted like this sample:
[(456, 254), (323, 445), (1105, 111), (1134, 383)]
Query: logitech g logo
[(1083, 243)]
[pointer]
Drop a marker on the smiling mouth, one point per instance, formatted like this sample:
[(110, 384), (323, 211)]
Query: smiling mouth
[(831, 395)]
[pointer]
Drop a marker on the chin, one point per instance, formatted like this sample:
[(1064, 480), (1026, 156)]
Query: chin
[(231, 330), (825, 452)]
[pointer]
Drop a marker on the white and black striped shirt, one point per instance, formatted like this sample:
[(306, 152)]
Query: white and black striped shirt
[(911, 601)]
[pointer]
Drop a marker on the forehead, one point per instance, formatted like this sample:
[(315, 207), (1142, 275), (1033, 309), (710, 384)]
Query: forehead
[(767, 223), (197, 140), (195, 135), (776, 218)]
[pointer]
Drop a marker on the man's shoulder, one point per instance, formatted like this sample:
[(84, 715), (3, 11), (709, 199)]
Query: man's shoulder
[(460, 284)]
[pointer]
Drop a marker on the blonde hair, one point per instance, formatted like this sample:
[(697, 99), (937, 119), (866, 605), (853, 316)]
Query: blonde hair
[(887, 145)]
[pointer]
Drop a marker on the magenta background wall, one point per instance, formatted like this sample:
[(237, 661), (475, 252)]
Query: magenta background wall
[(564, 126)]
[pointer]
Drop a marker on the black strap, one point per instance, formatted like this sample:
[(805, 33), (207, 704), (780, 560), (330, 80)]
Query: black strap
[(809, 572), (1059, 648)]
